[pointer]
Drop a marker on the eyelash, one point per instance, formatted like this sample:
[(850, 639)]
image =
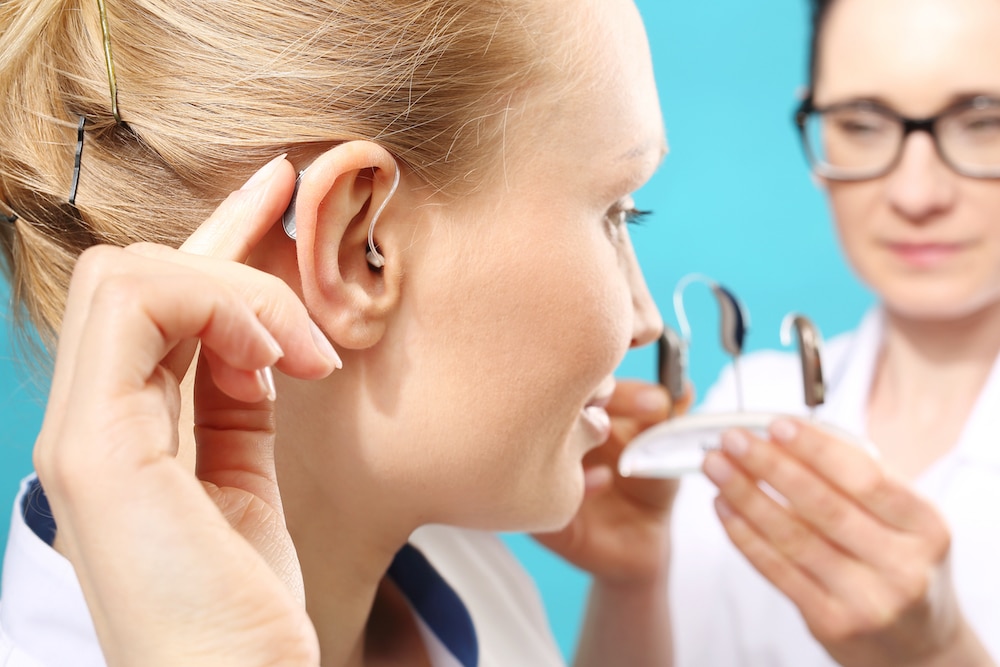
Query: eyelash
[(620, 214)]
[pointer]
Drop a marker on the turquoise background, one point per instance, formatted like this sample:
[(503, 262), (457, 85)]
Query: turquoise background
[(733, 200)]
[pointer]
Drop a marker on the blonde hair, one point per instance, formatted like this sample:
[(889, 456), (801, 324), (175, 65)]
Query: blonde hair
[(211, 89)]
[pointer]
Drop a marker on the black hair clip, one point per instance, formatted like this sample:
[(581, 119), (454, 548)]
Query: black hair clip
[(76, 161)]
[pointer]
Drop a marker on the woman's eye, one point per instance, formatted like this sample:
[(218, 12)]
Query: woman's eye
[(621, 215)]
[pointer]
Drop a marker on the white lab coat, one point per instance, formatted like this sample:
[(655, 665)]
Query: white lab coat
[(726, 614), (44, 621)]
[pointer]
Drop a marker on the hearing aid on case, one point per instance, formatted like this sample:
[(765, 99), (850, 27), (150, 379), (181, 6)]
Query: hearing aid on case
[(734, 321), (374, 257), (810, 342), (671, 363), (678, 447)]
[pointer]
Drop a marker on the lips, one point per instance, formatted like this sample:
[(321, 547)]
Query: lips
[(925, 255)]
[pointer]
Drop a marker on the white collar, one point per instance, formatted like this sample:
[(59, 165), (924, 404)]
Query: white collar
[(42, 599), (850, 380)]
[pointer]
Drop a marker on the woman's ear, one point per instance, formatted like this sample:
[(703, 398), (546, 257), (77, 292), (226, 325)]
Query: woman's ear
[(348, 294)]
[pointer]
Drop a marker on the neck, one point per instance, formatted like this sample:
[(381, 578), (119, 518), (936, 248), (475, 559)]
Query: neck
[(939, 361), (346, 534), (927, 379)]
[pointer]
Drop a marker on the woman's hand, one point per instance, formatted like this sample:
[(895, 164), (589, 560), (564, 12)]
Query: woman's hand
[(862, 556), (620, 533), (179, 569)]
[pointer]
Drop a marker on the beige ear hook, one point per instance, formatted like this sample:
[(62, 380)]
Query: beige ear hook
[(374, 257)]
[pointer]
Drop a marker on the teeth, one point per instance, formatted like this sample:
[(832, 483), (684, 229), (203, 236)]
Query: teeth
[(598, 416)]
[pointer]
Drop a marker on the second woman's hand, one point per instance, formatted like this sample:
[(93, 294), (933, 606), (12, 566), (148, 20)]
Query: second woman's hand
[(863, 557), (179, 568), (621, 536)]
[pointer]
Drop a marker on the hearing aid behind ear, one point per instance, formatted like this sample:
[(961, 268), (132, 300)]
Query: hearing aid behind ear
[(374, 257), (288, 217)]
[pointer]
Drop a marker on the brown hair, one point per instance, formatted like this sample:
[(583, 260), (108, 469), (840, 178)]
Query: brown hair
[(210, 90)]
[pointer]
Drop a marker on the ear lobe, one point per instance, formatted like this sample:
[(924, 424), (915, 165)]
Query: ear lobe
[(338, 195)]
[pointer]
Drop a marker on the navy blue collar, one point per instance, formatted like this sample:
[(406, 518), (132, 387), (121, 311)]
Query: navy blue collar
[(430, 595)]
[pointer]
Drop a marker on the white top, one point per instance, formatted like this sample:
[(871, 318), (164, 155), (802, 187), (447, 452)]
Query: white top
[(495, 620), (725, 613)]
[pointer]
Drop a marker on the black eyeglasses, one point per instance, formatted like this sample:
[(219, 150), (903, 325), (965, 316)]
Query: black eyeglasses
[(859, 140)]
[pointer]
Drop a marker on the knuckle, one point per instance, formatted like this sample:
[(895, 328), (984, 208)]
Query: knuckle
[(94, 262), (147, 248), (871, 484), (117, 293), (831, 511)]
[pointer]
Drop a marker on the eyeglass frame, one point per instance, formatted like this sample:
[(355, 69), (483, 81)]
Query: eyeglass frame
[(909, 125)]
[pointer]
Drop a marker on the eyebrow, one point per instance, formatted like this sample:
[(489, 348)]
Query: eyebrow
[(643, 149), (955, 98)]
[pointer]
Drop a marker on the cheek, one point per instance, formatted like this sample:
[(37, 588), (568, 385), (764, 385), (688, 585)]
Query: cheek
[(853, 209)]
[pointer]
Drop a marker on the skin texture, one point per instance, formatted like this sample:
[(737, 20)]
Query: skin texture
[(863, 557), (468, 362)]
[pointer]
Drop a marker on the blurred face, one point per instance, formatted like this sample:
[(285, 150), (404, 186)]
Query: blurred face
[(520, 301), (924, 238)]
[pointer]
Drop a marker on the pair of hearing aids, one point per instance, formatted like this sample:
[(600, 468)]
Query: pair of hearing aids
[(677, 447)]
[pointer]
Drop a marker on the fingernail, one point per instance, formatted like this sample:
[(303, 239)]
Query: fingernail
[(784, 430), (323, 345), (272, 343), (717, 468), (735, 443), (266, 378), (264, 173), (652, 400), (723, 509)]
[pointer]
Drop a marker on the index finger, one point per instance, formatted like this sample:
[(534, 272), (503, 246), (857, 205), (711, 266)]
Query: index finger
[(242, 220), (856, 474)]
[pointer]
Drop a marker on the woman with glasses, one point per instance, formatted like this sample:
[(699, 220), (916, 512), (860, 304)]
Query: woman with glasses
[(854, 560)]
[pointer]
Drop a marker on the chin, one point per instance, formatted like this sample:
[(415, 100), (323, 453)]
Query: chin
[(556, 508)]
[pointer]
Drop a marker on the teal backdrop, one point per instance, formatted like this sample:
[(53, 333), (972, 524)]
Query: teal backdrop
[(733, 200)]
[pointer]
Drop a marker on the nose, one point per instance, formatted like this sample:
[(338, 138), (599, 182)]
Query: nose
[(921, 186), (647, 322)]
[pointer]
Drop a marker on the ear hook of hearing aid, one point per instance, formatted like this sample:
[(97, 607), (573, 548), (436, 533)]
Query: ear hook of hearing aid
[(374, 257), (810, 342), (733, 321)]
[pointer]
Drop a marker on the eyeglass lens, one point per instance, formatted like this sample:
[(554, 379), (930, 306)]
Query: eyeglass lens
[(859, 141)]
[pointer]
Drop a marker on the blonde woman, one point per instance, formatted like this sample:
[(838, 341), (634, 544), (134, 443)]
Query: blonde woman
[(460, 256)]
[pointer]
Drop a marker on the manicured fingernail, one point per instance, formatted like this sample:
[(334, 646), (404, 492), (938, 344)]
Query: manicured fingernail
[(272, 343), (264, 173), (652, 400), (735, 443), (323, 345), (266, 378), (784, 430), (723, 509), (718, 468)]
